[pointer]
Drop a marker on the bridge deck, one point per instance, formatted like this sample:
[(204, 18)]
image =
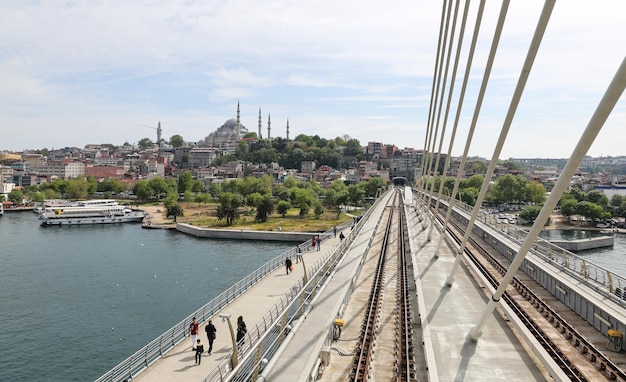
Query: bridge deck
[(448, 314)]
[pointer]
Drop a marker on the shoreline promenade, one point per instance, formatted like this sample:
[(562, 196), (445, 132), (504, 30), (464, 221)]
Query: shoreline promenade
[(179, 363)]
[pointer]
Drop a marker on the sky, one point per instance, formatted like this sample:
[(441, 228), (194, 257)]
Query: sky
[(101, 71)]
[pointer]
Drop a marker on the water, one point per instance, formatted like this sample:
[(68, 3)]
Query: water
[(75, 301), (611, 258)]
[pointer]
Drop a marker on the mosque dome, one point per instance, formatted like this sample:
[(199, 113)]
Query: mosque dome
[(227, 132)]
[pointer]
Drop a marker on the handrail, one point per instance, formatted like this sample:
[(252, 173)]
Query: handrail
[(614, 284), (157, 348), (274, 326)]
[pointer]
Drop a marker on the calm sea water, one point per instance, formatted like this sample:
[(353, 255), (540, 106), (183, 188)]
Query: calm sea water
[(75, 301), (611, 258)]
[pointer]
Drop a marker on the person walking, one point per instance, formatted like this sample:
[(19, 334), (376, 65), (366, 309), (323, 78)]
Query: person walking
[(241, 329), (341, 236), (210, 334), (193, 330), (319, 242), (335, 231), (298, 254), (313, 242), (288, 264), (199, 351)]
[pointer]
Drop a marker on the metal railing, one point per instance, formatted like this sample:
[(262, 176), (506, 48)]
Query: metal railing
[(156, 349), (265, 340), (610, 284), (147, 355)]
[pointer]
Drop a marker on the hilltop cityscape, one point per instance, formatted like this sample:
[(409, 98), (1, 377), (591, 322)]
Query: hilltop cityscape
[(233, 151)]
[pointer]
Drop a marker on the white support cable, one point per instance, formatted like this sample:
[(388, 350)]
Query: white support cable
[(434, 102), (606, 105), (447, 113), (508, 120), (468, 67), (440, 108), (432, 91), (479, 101)]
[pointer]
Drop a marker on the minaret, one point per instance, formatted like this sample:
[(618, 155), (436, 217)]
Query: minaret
[(269, 128), (237, 121), (159, 131), (260, 136), (287, 128)]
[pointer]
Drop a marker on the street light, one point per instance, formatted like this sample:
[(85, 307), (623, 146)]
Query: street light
[(306, 278), (234, 357)]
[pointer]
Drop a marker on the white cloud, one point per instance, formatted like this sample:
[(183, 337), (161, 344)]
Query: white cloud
[(358, 68)]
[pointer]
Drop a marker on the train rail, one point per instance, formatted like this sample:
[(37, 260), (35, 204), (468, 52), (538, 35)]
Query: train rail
[(404, 365), (493, 270)]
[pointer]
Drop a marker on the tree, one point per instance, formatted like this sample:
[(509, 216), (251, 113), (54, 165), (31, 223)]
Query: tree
[(175, 211), (202, 198), (337, 194), (318, 209), (568, 206), (476, 181), (185, 181), (264, 208), (159, 187), (143, 190), (229, 207), (536, 192), (145, 143), (597, 197), (577, 193), (281, 192), (353, 147), (283, 207), (530, 213), (16, 196), (176, 141), (509, 188), (373, 185), (215, 189), (198, 186), (77, 189), (290, 182), (356, 193), (304, 199)]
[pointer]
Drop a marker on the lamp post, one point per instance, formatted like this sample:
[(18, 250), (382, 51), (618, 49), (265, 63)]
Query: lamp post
[(306, 278), (234, 357)]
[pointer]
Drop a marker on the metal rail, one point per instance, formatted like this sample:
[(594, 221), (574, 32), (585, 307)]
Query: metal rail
[(404, 357), (361, 364), (602, 363), (404, 360)]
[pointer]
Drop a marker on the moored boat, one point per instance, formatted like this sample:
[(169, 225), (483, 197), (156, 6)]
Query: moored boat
[(81, 214)]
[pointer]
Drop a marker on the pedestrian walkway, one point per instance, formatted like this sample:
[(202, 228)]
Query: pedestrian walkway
[(179, 363)]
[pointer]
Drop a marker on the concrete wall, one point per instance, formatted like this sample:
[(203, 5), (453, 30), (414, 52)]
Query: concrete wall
[(238, 234), (582, 244)]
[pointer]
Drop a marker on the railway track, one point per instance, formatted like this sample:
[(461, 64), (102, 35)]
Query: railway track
[(393, 252), (493, 270)]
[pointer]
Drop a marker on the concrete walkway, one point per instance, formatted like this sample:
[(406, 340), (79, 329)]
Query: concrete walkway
[(179, 363)]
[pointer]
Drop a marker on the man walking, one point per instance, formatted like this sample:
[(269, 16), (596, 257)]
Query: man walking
[(210, 334)]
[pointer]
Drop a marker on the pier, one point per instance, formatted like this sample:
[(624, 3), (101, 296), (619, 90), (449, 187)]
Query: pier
[(583, 244)]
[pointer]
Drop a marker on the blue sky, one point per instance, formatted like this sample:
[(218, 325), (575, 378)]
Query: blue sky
[(80, 72)]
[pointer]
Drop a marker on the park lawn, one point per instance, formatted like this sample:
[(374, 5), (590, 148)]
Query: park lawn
[(205, 216)]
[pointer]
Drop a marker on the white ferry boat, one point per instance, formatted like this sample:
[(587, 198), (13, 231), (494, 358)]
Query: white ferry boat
[(89, 214)]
